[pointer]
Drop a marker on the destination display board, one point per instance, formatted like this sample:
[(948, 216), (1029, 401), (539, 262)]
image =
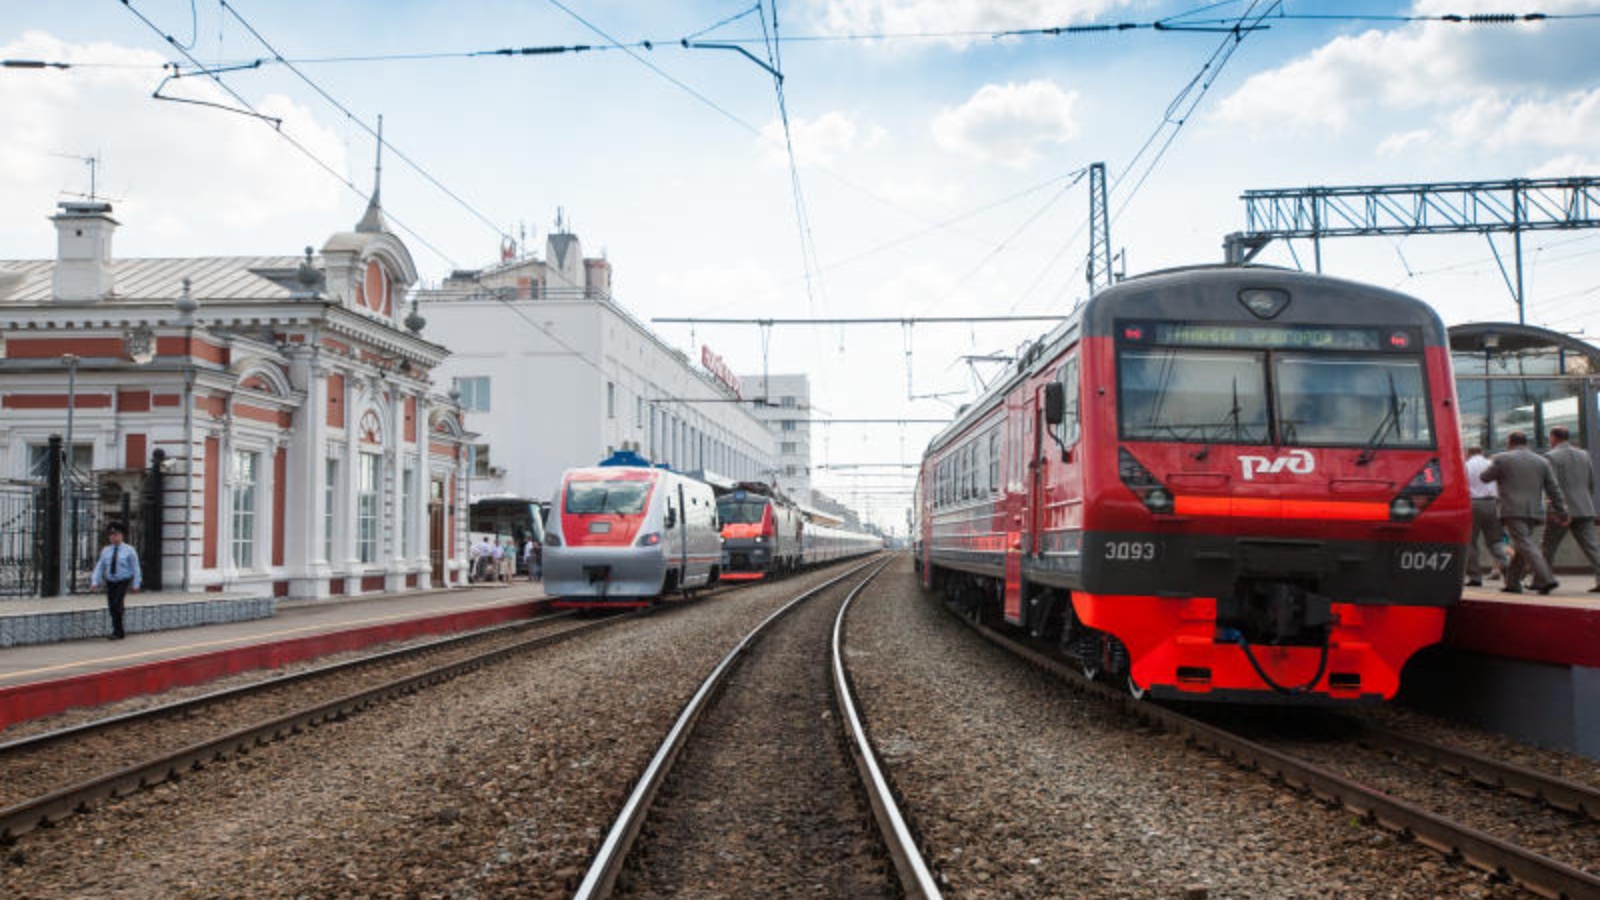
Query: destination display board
[(1264, 337)]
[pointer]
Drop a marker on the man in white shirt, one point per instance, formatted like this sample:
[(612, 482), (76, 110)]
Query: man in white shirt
[(1486, 525), (117, 569)]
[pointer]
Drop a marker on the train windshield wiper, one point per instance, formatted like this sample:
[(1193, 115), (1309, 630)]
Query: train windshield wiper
[(1389, 422)]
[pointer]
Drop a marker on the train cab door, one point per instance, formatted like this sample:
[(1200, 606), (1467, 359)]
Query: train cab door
[(683, 536)]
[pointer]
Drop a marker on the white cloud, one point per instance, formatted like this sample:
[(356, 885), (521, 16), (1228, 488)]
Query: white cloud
[(1501, 87), (189, 171), (1397, 144), (954, 19), (816, 141), (1567, 122), (1009, 122)]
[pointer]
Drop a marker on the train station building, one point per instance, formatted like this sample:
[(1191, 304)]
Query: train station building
[(555, 373), (266, 424)]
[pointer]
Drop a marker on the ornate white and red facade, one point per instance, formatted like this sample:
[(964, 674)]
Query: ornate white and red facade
[(309, 449)]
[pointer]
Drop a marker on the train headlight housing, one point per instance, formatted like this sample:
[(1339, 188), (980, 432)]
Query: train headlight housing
[(551, 539), (1152, 493), (649, 539), (1423, 489)]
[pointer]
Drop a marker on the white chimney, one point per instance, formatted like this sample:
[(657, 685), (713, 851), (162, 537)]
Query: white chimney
[(83, 252)]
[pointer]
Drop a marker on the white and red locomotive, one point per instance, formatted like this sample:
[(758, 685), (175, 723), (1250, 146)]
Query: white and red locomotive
[(1217, 483)]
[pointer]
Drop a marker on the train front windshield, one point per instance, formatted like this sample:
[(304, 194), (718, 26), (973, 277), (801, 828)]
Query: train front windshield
[(1282, 397), (740, 512), (613, 496)]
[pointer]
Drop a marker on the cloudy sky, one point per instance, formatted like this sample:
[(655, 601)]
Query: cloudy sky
[(937, 146)]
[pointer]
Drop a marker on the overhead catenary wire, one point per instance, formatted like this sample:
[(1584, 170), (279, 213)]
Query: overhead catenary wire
[(351, 116), (293, 142)]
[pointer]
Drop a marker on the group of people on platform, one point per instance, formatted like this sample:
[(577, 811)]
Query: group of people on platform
[(495, 560), (1508, 509)]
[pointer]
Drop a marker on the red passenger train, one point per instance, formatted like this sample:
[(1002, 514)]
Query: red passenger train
[(1216, 483)]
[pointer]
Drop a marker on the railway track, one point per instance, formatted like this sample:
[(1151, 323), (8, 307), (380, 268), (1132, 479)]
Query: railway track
[(47, 777), (752, 793), (1501, 856)]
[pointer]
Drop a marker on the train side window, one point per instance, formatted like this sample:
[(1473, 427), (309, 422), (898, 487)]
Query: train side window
[(1071, 425), (994, 459)]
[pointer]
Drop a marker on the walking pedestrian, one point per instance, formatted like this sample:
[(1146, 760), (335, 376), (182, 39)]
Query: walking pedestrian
[(1575, 473), (1525, 479), (482, 554), (530, 558), (118, 570), (1486, 528)]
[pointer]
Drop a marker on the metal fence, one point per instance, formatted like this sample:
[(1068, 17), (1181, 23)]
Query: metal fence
[(52, 527), (21, 537)]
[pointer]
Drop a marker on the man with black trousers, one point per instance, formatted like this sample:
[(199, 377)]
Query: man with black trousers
[(1525, 479), (1575, 473), (118, 570)]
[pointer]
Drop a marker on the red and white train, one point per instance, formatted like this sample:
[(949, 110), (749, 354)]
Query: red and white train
[(764, 535), (623, 533), (1215, 483)]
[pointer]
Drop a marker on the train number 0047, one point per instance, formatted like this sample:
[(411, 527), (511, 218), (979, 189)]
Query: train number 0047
[(1130, 551), (1426, 560)]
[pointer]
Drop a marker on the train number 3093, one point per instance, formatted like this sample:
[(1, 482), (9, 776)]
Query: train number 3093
[(1426, 560), (1130, 551)]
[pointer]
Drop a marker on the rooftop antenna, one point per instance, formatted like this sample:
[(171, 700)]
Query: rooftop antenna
[(559, 214), (94, 164)]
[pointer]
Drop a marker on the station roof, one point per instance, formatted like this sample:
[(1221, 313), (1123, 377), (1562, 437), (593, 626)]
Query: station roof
[(1510, 337)]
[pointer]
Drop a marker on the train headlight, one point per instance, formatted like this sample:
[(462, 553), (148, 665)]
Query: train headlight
[(1402, 509), (1158, 501), (1144, 485), (551, 539), (1423, 489), (649, 539)]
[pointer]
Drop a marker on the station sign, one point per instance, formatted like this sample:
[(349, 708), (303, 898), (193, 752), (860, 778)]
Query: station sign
[(719, 370)]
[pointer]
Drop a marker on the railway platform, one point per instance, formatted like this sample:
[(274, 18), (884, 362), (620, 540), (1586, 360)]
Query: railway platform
[(41, 679), (1527, 665)]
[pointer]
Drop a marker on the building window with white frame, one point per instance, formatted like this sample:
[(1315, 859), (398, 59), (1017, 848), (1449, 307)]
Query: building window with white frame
[(367, 497), (474, 393), (242, 499), (330, 508), (81, 458), (408, 506)]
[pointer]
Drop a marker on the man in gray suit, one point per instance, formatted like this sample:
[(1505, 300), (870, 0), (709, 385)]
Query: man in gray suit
[(1575, 473), (1525, 479)]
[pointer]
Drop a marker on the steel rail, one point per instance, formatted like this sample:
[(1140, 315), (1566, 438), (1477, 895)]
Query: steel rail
[(1570, 796), (176, 707), (23, 817), (1532, 871), (399, 654), (601, 876), (915, 877)]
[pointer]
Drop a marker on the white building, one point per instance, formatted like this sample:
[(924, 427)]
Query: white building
[(787, 414), (553, 374)]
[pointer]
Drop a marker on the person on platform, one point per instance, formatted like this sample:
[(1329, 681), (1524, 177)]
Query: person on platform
[(482, 554), (1575, 473), (530, 558), (1486, 526), (1525, 479), (118, 570)]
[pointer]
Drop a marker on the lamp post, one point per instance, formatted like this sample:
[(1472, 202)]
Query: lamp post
[(68, 529), (187, 306)]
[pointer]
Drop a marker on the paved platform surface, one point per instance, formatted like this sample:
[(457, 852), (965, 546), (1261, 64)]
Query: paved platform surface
[(40, 679)]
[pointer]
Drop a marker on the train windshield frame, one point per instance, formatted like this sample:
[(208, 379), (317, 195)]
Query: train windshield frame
[(606, 496), (1279, 385)]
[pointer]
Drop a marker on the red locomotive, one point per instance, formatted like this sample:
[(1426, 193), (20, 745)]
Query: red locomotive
[(1217, 483)]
